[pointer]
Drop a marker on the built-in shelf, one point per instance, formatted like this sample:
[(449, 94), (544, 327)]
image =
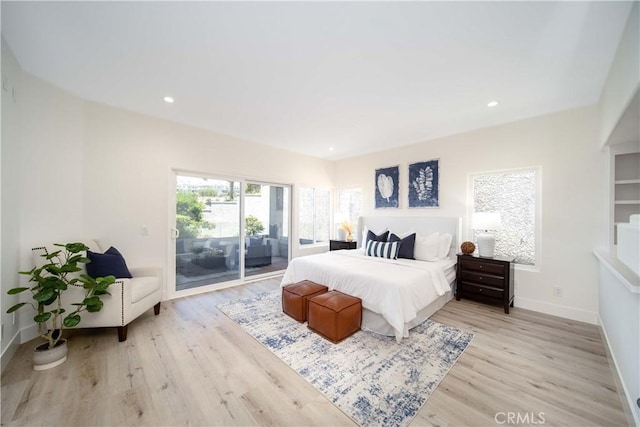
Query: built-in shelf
[(625, 170)]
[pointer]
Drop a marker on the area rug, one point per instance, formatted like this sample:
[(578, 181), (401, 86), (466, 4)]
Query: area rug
[(371, 378)]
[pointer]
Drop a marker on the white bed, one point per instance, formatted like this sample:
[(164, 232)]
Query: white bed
[(397, 295)]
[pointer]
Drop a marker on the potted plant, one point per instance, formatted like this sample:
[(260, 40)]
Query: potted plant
[(50, 281)]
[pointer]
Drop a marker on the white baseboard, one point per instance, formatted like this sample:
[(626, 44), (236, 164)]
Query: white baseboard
[(21, 336), (628, 403), (10, 350), (29, 333), (557, 310)]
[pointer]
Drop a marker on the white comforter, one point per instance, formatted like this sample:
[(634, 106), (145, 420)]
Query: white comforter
[(396, 289)]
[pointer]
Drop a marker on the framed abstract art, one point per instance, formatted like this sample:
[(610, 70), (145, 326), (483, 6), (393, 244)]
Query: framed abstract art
[(386, 184), (424, 184)]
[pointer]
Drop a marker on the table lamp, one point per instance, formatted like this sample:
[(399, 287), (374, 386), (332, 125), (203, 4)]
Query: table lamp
[(486, 221)]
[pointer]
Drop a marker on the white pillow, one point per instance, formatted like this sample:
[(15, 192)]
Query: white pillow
[(445, 244), (427, 248)]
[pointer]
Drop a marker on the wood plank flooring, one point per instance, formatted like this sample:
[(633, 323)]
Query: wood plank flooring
[(191, 365)]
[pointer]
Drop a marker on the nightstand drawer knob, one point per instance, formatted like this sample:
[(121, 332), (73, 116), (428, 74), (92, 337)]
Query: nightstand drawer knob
[(481, 267)]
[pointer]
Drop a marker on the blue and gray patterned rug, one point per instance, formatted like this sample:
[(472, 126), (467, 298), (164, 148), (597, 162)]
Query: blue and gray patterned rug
[(371, 378)]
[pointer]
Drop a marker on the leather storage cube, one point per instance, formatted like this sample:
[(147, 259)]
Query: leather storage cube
[(335, 315), (295, 298)]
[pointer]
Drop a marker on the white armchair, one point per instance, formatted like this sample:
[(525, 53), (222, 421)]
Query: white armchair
[(129, 297)]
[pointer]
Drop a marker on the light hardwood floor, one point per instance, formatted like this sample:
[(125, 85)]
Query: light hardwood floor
[(191, 365)]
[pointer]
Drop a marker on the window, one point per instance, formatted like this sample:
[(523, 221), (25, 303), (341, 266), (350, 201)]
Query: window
[(349, 208), (314, 216), (515, 195)]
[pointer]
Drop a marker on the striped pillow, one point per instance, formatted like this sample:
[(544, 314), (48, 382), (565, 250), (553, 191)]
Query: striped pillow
[(382, 249)]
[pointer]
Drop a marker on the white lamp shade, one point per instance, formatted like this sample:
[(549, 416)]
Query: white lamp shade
[(486, 244), (486, 221)]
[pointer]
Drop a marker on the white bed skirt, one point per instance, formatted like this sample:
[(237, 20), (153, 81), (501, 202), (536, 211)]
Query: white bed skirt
[(374, 322)]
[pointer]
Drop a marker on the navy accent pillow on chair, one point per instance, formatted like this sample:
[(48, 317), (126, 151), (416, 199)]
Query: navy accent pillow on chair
[(407, 245), (110, 263)]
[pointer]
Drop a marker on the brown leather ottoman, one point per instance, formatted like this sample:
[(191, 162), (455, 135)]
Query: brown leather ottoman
[(335, 315), (295, 298)]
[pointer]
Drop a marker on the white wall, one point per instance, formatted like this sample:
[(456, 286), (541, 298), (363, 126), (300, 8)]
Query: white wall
[(623, 78), (620, 321), (48, 162), (564, 145), (10, 196), (73, 169), (619, 297), (127, 181)]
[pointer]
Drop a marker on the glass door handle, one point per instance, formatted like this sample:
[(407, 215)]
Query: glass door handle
[(175, 233)]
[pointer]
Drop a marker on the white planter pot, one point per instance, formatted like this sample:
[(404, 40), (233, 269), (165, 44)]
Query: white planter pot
[(45, 358)]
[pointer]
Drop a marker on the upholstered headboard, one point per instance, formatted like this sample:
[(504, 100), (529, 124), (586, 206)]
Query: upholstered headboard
[(423, 225)]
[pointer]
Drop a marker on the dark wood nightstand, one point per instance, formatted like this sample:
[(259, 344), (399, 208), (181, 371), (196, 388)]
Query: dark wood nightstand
[(485, 279), (335, 245)]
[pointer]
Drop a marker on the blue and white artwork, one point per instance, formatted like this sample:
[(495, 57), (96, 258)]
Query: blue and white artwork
[(387, 187), (424, 183)]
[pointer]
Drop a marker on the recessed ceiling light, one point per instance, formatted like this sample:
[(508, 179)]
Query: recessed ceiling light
[(492, 104), (330, 148), (168, 99)]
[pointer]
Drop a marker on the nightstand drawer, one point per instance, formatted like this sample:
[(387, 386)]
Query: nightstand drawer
[(482, 279), (481, 266), (483, 290), (336, 245), (486, 279)]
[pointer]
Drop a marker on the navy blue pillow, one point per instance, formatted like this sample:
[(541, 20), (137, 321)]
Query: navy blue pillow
[(407, 245), (381, 238), (110, 263)]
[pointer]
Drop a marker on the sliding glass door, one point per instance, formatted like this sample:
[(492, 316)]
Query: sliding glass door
[(266, 216), (208, 231), (226, 230)]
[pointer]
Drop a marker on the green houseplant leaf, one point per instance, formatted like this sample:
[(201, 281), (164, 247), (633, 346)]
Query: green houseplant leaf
[(15, 307), (71, 320), (45, 295), (50, 280), (42, 317)]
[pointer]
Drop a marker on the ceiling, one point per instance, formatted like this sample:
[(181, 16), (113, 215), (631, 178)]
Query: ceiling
[(356, 77)]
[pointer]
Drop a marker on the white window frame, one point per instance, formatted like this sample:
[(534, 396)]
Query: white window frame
[(538, 210), (315, 217), (336, 216)]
